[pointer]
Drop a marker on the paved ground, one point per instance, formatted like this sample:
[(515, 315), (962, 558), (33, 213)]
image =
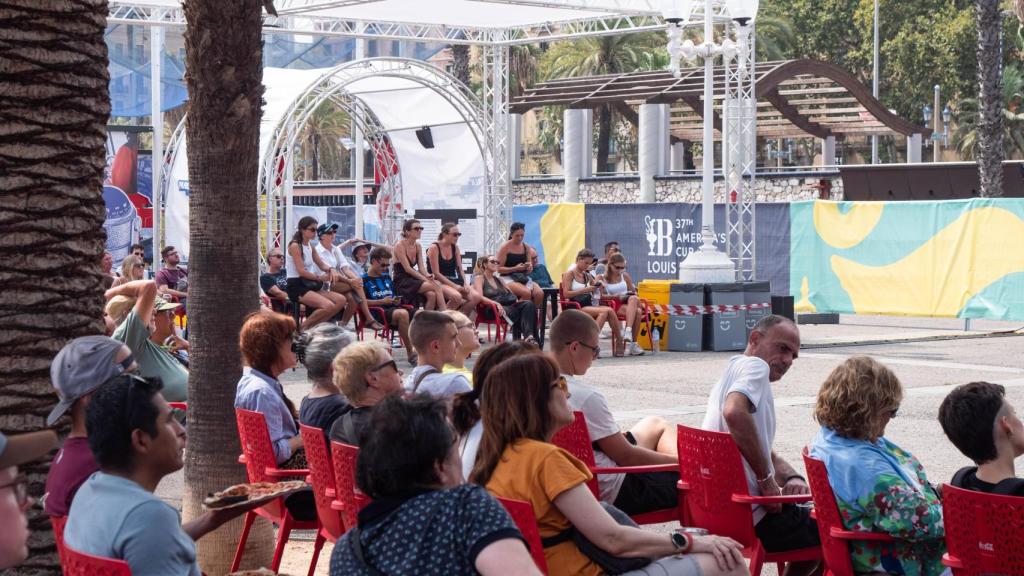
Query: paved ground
[(929, 356)]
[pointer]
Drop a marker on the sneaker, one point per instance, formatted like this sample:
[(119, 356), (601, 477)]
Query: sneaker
[(635, 349)]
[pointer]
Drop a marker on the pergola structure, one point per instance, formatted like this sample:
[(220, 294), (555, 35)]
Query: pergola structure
[(494, 25), (796, 98)]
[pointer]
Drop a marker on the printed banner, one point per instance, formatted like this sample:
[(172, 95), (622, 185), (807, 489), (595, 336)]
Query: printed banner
[(127, 192), (954, 258)]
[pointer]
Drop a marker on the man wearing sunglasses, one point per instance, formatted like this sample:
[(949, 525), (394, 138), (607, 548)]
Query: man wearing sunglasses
[(137, 441), (79, 369), (14, 498), (574, 343)]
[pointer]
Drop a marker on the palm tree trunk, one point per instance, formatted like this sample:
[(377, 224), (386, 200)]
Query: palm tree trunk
[(54, 104), (990, 98), (604, 134), (223, 62)]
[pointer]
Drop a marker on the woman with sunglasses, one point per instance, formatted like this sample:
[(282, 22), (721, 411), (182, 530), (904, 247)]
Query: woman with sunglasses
[(304, 269), (447, 270), (410, 282), (366, 374), (617, 285), (132, 268), (521, 314), (579, 286), (523, 404), (468, 342)]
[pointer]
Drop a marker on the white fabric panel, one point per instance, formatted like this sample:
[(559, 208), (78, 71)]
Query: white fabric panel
[(454, 13), (283, 86), (409, 108), (450, 175), (176, 203)]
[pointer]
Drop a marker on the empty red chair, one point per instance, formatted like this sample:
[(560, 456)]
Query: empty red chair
[(835, 539), (77, 563), (348, 499), (522, 514), (984, 532), (490, 314), (321, 476), (716, 497), (575, 440), (261, 466), (58, 523)]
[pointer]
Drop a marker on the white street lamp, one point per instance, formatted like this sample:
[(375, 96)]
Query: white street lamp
[(707, 264)]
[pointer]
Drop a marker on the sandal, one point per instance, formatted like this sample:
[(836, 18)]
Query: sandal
[(375, 326)]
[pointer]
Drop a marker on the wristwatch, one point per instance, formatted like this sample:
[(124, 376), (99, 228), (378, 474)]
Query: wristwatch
[(681, 542)]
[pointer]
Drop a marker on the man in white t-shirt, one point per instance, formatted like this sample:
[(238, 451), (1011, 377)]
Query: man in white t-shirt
[(435, 339), (742, 404), (652, 441)]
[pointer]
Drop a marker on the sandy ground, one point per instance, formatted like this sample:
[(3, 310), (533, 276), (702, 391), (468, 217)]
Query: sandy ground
[(929, 356)]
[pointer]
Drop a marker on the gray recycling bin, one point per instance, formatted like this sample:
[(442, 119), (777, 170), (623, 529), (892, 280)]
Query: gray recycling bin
[(756, 293), (685, 332), (725, 330)]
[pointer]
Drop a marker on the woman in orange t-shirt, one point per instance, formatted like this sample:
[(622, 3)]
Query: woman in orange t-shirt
[(523, 404)]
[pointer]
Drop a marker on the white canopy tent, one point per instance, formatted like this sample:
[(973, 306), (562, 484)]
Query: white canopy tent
[(492, 24)]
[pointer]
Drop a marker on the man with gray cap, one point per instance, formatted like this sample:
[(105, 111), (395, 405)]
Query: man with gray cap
[(79, 369)]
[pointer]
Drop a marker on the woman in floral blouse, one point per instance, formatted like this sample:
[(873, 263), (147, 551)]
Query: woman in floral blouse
[(879, 486)]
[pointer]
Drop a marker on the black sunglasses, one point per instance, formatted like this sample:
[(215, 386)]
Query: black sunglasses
[(391, 363), (595, 350), (417, 228)]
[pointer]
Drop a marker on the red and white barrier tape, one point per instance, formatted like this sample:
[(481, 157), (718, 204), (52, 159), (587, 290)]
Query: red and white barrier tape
[(690, 310)]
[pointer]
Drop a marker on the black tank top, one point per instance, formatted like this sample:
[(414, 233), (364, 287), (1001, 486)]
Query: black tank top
[(449, 268), (513, 259)]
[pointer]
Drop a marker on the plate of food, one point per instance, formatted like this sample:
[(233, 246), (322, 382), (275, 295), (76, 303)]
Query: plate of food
[(249, 495)]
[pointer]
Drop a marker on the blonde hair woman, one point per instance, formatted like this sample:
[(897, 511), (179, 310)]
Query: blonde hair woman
[(132, 268)]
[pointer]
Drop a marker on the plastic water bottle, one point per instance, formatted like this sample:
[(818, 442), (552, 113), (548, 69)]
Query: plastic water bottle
[(655, 339)]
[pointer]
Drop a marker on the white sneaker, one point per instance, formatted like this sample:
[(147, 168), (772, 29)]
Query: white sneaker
[(634, 349)]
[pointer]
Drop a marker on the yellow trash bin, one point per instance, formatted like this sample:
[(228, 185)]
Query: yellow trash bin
[(655, 292)]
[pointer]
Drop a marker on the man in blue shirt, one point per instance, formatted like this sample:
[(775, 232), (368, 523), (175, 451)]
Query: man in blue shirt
[(380, 293), (136, 442)]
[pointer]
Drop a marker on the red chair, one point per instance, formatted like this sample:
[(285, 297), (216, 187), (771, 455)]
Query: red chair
[(616, 305), (716, 497), (563, 302), (349, 500), (321, 475), (380, 316), (58, 523), (77, 563), (835, 539), (575, 440), (178, 406), (483, 310), (261, 466), (522, 514), (984, 532)]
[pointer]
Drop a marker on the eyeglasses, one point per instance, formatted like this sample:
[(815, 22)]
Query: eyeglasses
[(595, 350), (456, 233), (311, 229), (619, 268), (492, 261), (129, 407), (562, 385), (417, 228), (390, 363), (139, 266), (20, 488), (276, 256)]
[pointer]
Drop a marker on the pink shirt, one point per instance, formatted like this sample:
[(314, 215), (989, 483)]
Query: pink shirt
[(72, 467)]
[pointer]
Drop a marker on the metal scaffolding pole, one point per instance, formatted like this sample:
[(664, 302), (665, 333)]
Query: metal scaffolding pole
[(156, 50), (740, 145), (498, 192)]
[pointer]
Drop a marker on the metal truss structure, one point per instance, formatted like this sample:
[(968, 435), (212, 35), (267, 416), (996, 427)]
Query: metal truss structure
[(498, 191), (739, 150), (275, 171)]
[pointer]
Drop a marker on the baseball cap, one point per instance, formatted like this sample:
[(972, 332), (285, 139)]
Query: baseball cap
[(325, 228), (164, 305), (81, 367), (21, 448)]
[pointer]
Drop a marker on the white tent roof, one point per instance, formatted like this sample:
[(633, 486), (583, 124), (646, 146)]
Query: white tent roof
[(471, 21)]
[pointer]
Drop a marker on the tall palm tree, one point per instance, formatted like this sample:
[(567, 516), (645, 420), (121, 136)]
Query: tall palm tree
[(776, 39), (321, 153), (223, 61), (596, 56), (990, 113), (460, 62), (54, 81), (965, 138)]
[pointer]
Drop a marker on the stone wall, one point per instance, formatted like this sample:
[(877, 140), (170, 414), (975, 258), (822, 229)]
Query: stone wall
[(626, 190)]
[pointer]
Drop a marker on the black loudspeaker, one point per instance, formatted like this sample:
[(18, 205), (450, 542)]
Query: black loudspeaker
[(425, 137)]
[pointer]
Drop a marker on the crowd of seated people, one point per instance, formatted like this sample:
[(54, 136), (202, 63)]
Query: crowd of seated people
[(438, 446)]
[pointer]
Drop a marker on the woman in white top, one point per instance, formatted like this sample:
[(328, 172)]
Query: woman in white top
[(580, 286), (619, 286), (466, 406), (303, 269), (341, 278)]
